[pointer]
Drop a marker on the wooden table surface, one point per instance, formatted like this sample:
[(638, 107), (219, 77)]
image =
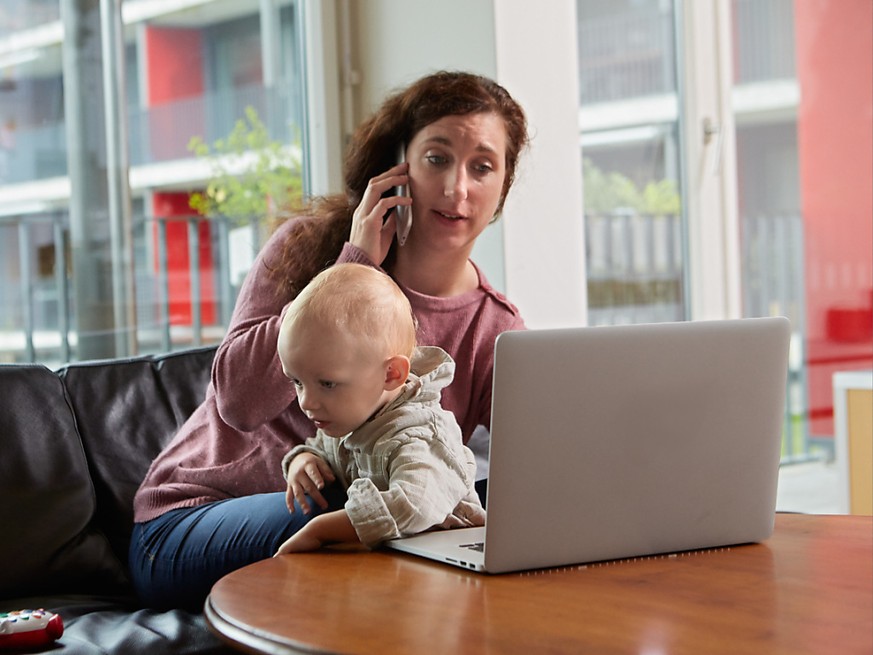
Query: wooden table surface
[(807, 589)]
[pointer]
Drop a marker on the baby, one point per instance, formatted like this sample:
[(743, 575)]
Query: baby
[(347, 344)]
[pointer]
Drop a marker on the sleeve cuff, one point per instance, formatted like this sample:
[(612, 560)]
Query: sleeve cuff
[(369, 514), (351, 254), (291, 454)]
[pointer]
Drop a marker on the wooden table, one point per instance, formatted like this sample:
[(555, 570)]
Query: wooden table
[(807, 589)]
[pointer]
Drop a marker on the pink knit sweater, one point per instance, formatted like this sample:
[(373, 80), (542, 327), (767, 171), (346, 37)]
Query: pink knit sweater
[(234, 442)]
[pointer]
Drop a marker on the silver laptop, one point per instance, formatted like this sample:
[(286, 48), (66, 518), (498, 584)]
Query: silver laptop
[(626, 441)]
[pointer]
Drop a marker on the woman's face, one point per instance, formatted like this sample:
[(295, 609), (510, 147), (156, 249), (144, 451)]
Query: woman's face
[(457, 165)]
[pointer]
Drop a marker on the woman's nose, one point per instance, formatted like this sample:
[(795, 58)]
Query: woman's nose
[(456, 183)]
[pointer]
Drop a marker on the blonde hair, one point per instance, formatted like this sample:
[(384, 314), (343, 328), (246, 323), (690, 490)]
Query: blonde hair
[(359, 300)]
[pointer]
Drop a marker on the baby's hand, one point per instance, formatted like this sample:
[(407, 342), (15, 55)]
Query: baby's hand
[(307, 474), (303, 541), (331, 528)]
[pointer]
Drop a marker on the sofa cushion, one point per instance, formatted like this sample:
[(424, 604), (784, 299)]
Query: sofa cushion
[(47, 542), (126, 412)]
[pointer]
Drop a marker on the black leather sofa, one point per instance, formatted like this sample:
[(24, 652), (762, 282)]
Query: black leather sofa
[(74, 445)]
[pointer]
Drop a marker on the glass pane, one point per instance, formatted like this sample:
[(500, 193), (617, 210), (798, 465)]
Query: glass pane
[(189, 70), (803, 101), (629, 136)]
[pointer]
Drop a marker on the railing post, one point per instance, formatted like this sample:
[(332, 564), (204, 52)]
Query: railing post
[(224, 270), (627, 238), (26, 290), (194, 272), (256, 235), (117, 184), (63, 288), (163, 285)]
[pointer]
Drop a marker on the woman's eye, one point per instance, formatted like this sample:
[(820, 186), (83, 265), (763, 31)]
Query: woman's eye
[(436, 160), (483, 168)]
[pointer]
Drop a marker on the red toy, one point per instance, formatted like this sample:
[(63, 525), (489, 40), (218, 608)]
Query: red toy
[(29, 629)]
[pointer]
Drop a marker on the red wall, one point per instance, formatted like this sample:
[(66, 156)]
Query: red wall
[(178, 261), (834, 42), (174, 64), (174, 70)]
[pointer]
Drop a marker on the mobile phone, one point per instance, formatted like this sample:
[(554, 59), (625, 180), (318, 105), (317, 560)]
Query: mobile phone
[(403, 213)]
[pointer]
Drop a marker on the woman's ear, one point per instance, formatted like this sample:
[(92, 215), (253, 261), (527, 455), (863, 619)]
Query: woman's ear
[(396, 371)]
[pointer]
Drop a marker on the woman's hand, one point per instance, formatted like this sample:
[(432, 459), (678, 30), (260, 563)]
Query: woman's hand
[(368, 231), (307, 474)]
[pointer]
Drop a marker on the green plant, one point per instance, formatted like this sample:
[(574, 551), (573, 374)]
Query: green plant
[(661, 198), (252, 175), (608, 192)]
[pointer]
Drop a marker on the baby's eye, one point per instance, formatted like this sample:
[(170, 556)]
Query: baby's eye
[(327, 384)]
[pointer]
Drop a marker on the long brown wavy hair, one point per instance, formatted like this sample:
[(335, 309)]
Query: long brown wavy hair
[(315, 244)]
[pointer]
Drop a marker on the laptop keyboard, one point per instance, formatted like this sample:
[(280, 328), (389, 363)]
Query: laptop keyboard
[(478, 546)]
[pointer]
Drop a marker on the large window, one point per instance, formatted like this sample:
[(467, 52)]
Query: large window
[(94, 266), (726, 147), (630, 147), (802, 96), (791, 156), (803, 101)]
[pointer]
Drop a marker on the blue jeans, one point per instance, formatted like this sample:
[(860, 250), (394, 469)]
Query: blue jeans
[(176, 558)]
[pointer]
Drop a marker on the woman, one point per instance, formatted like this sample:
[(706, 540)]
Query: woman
[(214, 499)]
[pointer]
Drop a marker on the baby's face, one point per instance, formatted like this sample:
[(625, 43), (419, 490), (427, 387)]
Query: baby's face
[(338, 377)]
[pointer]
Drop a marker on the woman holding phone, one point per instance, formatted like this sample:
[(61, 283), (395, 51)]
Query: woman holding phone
[(214, 499)]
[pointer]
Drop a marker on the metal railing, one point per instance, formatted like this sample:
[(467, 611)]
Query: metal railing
[(635, 271), (626, 56), (634, 268), (186, 282), (764, 40), (773, 273), (156, 134), (631, 54), (188, 271), (16, 15)]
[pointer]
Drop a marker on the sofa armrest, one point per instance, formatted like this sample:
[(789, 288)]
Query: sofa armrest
[(48, 542)]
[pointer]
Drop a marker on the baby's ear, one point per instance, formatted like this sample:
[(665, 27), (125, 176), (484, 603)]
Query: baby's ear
[(396, 371)]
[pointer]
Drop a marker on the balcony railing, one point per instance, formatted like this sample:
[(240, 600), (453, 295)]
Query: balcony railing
[(156, 134), (626, 56), (187, 272), (764, 40), (631, 55), (635, 273), (772, 256), (16, 15), (634, 268)]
